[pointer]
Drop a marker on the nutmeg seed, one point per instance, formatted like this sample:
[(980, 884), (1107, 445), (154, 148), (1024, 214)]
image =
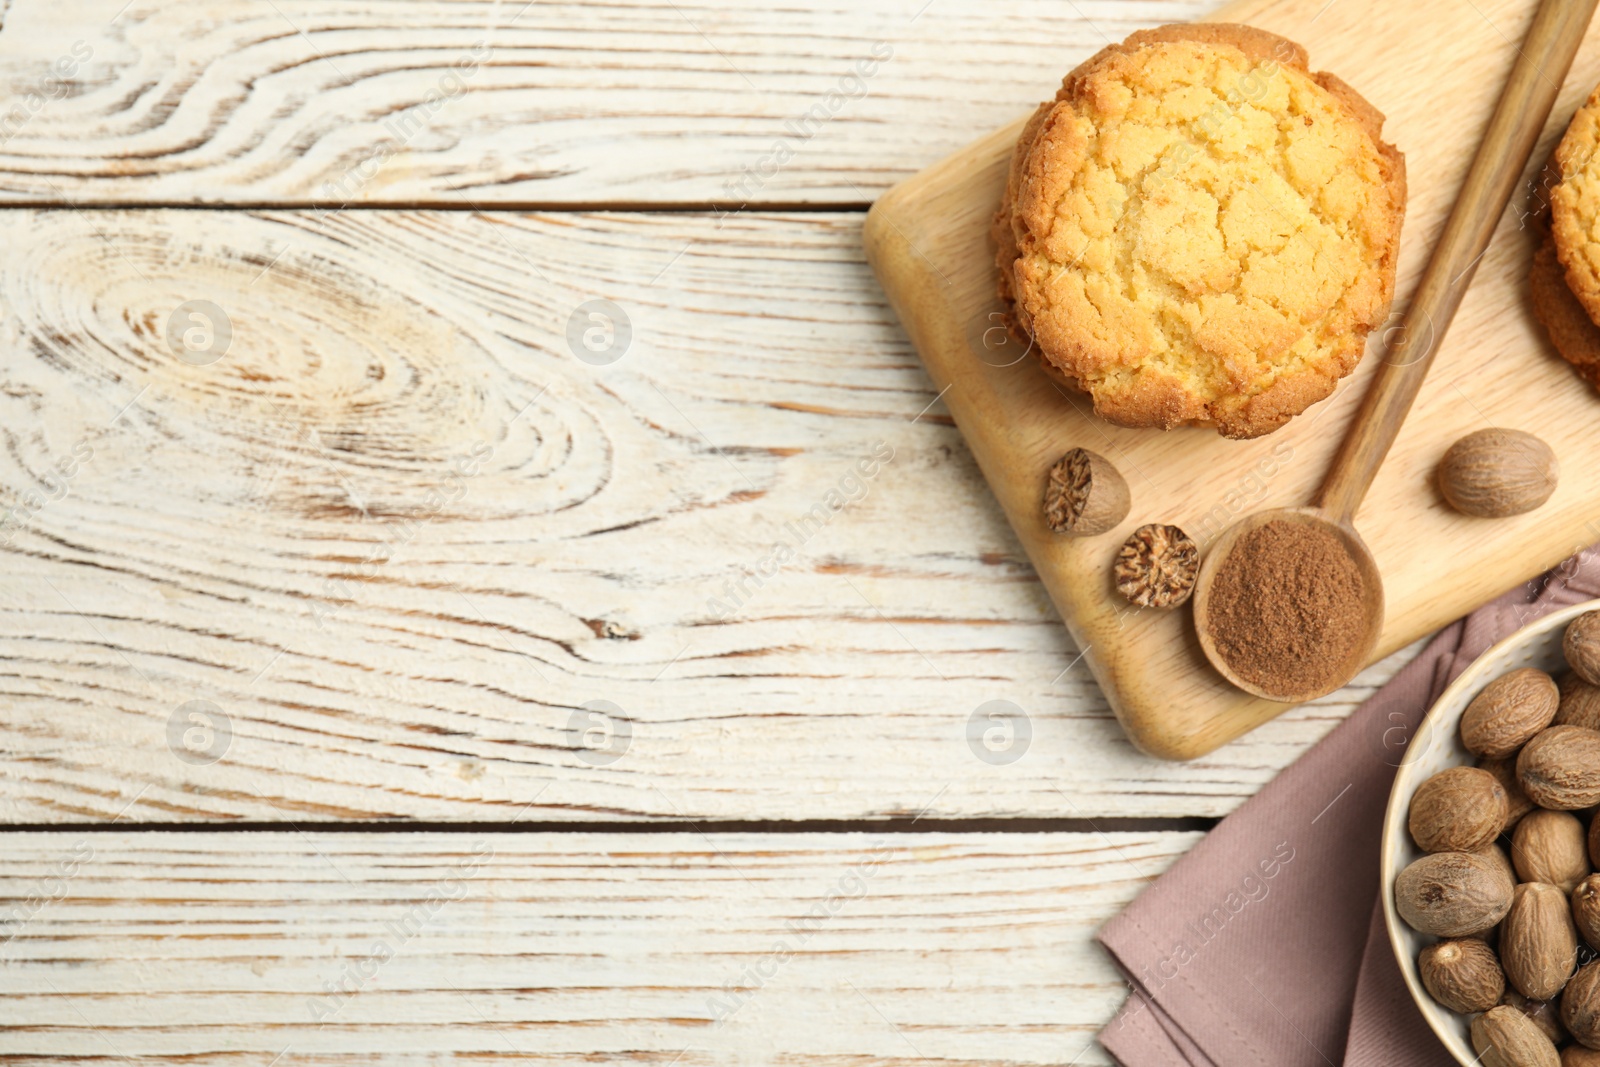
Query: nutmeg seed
[(1509, 711), (1517, 802), (1560, 768), (1580, 702), (1586, 909), (1545, 1014), (1580, 1005), (1538, 943), (1496, 857), (1462, 975), (1552, 847), (1085, 495), (1578, 1056), (1504, 1037), (1460, 809), (1582, 646), (1496, 473), (1453, 894)]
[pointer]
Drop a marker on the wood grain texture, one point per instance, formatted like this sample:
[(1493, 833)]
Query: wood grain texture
[(929, 240), (1498, 163), (427, 102), (221, 948), (281, 533)]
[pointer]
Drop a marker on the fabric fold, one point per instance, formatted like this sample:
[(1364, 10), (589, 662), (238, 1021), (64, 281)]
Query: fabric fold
[(1264, 944)]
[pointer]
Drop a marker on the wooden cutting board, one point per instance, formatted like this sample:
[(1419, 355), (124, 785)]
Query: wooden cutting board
[(1435, 68)]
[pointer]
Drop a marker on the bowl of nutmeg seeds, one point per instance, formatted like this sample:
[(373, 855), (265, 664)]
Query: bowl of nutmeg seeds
[(1491, 855)]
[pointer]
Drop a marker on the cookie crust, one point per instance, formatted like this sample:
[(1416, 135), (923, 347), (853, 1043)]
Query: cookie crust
[(1198, 230), (1575, 206)]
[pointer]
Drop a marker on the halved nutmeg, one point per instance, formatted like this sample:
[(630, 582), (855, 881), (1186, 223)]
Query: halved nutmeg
[(1085, 495), (1157, 566)]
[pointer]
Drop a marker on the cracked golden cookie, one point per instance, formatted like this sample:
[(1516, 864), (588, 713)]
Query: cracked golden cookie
[(1199, 231), (1575, 206)]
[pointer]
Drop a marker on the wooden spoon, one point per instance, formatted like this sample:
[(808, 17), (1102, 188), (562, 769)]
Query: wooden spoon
[(1542, 64)]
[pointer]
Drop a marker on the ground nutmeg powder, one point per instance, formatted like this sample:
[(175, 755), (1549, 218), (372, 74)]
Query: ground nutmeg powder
[(1286, 608)]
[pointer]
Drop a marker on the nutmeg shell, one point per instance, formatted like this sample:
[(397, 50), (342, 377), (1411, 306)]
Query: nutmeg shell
[(1517, 802), (1580, 1005), (1580, 702), (1496, 473), (1496, 857), (1538, 943), (1586, 909), (1504, 1037), (1453, 894), (1551, 847), (1582, 646), (1560, 768), (1509, 712), (1545, 1014), (1463, 975), (1460, 809)]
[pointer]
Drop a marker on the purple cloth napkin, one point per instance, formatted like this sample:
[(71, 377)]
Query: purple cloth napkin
[(1265, 944)]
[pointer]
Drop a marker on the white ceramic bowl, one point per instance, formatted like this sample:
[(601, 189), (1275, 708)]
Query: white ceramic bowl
[(1436, 747)]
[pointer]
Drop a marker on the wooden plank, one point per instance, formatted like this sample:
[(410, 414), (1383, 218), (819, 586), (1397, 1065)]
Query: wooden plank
[(1496, 368), (218, 948), (427, 102), (282, 533)]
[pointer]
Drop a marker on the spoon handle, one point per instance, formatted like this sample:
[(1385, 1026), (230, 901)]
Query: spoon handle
[(1525, 103)]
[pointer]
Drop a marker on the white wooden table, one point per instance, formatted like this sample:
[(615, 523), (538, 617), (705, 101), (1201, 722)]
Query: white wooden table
[(364, 695)]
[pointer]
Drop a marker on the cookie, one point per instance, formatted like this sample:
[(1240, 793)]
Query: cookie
[(1197, 230), (1575, 206), (1571, 329)]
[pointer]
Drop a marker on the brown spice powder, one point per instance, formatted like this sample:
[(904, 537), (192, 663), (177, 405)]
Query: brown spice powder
[(1286, 608)]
